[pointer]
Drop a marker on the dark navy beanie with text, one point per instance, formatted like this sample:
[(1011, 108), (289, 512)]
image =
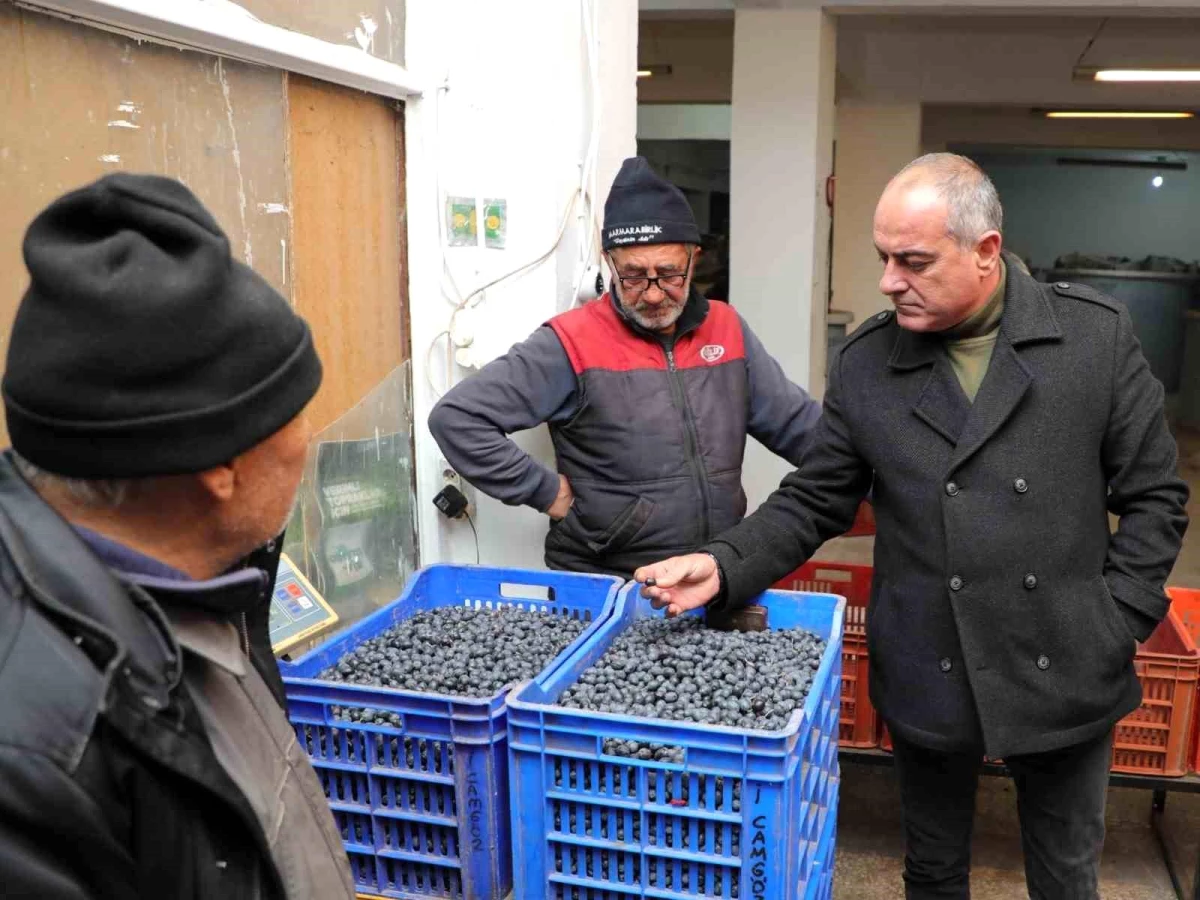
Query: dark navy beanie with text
[(644, 208)]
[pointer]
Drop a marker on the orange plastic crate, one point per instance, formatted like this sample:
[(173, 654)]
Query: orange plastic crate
[(1155, 738), (1185, 603), (858, 725)]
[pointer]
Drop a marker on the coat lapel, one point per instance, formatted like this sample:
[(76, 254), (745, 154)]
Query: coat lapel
[(942, 405), (1005, 385), (1028, 319)]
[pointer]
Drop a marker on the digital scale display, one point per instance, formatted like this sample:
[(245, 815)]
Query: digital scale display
[(297, 610)]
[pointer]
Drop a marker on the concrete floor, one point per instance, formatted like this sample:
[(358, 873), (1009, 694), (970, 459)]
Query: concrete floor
[(870, 841), (871, 845)]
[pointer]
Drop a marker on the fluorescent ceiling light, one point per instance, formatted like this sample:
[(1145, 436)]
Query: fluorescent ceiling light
[(1115, 114), (1147, 75), (647, 71)]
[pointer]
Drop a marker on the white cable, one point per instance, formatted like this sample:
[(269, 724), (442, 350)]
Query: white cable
[(429, 363), (562, 230), (589, 233), (446, 275)]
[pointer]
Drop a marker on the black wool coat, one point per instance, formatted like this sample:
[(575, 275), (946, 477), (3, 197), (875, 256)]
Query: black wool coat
[(1003, 613)]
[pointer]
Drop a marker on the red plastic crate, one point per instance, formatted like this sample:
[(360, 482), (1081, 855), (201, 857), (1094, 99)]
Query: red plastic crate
[(1155, 738), (864, 521), (859, 725), (1185, 603)]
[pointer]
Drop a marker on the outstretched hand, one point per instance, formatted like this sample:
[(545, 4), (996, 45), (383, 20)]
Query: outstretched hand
[(680, 583)]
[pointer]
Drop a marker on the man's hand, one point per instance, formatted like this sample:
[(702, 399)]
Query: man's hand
[(562, 503), (680, 583)]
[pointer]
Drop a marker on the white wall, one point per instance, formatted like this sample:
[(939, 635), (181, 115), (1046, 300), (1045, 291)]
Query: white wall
[(781, 153), (874, 141), (514, 121), (1051, 210)]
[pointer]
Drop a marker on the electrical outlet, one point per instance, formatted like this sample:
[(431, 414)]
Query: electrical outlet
[(449, 476)]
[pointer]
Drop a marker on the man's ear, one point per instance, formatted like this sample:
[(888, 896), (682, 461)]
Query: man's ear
[(987, 251), (219, 482)]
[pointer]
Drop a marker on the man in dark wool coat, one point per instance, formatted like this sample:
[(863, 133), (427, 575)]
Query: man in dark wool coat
[(999, 421)]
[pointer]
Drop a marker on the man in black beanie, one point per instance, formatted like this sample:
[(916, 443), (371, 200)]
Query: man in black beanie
[(155, 392), (649, 392)]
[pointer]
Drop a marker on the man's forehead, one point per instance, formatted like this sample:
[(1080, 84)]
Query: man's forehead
[(651, 255), (910, 232)]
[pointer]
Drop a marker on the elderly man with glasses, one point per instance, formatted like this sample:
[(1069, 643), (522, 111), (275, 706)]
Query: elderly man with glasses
[(649, 393)]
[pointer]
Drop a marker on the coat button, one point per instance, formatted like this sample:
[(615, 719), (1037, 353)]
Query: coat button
[(956, 583), (882, 316), (1063, 284), (1030, 581), (1020, 485), (952, 489), (945, 665), (1043, 662)]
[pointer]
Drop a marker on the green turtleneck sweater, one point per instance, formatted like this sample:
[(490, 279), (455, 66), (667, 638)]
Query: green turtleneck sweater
[(969, 344)]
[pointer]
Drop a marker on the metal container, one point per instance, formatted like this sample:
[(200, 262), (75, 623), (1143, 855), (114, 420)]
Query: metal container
[(1156, 302)]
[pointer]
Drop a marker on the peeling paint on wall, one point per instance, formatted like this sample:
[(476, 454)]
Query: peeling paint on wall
[(364, 33), (110, 158), (237, 161)]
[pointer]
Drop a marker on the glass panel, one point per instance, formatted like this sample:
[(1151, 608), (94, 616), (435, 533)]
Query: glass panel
[(354, 531)]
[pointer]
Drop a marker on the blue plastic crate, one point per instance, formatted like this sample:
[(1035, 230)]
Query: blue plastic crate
[(748, 815), (820, 881), (423, 808)]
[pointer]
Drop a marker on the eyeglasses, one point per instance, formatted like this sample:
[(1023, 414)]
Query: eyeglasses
[(637, 284)]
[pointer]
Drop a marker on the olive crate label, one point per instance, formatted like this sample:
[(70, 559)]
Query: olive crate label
[(297, 610)]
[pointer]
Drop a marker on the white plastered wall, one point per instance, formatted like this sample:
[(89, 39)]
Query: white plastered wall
[(508, 115)]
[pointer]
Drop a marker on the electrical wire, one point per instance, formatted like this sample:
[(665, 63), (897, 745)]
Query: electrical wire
[(471, 522), (589, 237), (429, 362), (1099, 29)]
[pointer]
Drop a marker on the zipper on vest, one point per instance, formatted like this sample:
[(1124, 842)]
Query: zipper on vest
[(692, 443)]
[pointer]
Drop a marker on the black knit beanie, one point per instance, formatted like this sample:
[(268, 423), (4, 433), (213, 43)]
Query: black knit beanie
[(142, 347), (643, 208)]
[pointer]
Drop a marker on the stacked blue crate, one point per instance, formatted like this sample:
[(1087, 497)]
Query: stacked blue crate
[(423, 808), (748, 815)]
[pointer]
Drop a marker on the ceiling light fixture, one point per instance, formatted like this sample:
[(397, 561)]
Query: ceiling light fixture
[(1147, 75), (648, 71), (1117, 114)]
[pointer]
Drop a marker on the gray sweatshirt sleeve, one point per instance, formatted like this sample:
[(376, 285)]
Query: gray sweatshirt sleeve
[(782, 415), (531, 384)]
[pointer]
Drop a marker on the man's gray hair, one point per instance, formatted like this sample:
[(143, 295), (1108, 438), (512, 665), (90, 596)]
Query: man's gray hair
[(973, 206), (100, 493)]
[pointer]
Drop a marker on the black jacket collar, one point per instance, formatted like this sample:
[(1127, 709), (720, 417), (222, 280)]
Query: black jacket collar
[(115, 614)]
